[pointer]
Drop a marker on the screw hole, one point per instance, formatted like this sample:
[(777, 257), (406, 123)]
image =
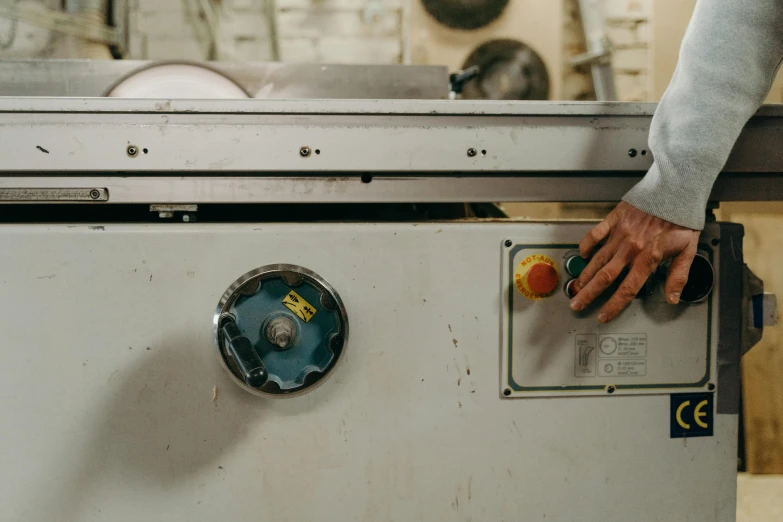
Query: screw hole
[(317, 151), (145, 151), (366, 178), (644, 152), (632, 153), (710, 386), (715, 241), (483, 152), (506, 392)]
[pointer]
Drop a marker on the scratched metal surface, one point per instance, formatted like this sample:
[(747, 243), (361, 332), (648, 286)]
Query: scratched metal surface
[(113, 405), (95, 78), (394, 136)]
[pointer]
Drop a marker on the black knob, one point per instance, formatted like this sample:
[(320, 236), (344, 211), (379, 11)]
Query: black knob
[(250, 366), (701, 279)]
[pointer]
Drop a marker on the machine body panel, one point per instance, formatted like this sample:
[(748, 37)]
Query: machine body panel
[(114, 405)]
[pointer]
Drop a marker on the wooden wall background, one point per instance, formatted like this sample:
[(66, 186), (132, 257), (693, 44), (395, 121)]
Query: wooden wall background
[(762, 366)]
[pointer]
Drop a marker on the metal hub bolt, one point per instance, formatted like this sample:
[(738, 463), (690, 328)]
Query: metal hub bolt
[(280, 331)]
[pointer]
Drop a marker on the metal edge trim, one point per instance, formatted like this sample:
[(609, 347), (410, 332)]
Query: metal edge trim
[(729, 318)]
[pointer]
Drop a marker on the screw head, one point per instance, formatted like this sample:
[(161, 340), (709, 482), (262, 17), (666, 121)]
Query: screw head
[(95, 194), (610, 389), (304, 152), (471, 152), (280, 332), (506, 392), (632, 153), (186, 218), (711, 386), (132, 151), (282, 339), (508, 243)]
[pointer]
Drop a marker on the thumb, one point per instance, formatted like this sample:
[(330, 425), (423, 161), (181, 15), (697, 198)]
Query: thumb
[(678, 275)]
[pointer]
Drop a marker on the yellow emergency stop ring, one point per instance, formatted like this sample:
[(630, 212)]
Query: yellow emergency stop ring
[(521, 272)]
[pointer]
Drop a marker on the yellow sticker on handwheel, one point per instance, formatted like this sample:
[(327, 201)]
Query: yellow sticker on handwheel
[(297, 304)]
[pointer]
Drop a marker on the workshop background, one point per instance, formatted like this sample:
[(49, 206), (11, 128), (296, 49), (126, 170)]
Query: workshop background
[(645, 36)]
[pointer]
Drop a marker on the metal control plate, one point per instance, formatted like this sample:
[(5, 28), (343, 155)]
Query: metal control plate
[(550, 351)]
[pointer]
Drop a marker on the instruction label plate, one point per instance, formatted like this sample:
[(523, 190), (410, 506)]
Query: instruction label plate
[(623, 345), (622, 367)]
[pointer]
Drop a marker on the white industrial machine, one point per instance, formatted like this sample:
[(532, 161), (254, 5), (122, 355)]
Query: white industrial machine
[(186, 339)]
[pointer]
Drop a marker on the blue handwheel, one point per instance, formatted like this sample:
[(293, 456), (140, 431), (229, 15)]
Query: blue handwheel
[(280, 329)]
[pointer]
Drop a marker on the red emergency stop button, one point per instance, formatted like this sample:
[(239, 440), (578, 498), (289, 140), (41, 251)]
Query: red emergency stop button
[(542, 278), (536, 276)]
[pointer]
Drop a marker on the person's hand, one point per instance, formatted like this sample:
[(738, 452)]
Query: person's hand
[(639, 242)]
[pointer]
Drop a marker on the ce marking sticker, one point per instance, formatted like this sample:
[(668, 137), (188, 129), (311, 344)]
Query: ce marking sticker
[(691, 415)]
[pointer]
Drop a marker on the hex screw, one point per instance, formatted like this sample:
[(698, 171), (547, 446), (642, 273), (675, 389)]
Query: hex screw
[(280, 332)]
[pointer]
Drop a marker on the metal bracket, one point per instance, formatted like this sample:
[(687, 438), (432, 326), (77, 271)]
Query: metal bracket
[(765, 310), (759, 310), (61, 22), (599, 50), (602, 55), (167, 211)]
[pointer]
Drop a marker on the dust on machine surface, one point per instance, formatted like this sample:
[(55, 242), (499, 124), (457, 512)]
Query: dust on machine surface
[(289, 309)]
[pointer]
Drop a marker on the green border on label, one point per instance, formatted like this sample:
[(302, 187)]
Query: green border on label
[(511, 294)]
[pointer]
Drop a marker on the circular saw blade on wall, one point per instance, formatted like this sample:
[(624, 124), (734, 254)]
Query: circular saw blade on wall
[(509, 70), (465, 14)]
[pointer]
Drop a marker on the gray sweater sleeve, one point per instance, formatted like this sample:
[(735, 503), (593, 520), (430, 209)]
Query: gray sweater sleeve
[(728, 59)]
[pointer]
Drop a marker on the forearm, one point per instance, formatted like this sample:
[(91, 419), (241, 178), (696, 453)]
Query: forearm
[(728, 60)]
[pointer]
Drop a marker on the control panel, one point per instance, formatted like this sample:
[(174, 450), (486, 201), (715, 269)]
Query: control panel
[(652, 347)]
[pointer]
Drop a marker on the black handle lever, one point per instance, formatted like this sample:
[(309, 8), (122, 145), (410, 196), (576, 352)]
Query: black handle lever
[(459, 79), (250, 365)]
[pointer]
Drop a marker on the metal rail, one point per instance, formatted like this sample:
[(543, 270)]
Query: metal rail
[(249, 151)]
